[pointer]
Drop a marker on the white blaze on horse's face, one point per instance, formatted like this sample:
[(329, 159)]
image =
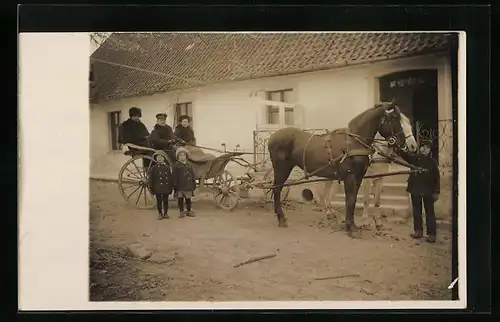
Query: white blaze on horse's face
[(411, 143)]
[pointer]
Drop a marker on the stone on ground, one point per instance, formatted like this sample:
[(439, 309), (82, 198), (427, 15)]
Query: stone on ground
[(138, 250)]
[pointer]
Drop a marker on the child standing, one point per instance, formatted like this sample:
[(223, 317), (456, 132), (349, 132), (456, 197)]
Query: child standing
[(161, 185), (423, 187), (184, 182)]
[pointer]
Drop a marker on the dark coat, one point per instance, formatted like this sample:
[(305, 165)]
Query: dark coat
[(423, 183), (184, 179), (161, 179), (134, 132), (161, 137), (185, 133)]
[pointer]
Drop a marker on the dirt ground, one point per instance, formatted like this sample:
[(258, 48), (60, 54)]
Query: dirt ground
[(315, 259)]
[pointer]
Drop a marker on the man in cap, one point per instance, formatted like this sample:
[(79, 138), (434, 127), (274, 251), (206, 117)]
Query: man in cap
[(162, 136), (133, 130)]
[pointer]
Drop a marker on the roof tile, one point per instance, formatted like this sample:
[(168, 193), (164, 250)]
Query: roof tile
[(171, 61)]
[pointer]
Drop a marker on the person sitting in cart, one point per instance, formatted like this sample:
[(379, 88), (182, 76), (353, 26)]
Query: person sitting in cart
[(184, 131), (133, 130), (162, 136), (184, 182), (161, 185), (423, 187)]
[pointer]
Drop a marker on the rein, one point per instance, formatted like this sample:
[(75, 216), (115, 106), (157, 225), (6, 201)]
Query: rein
[(222, 151)]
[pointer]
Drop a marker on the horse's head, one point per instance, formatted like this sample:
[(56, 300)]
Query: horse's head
[(396, 128)]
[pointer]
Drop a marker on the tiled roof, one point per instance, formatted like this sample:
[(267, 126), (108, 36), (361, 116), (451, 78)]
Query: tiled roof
[(169, 61)]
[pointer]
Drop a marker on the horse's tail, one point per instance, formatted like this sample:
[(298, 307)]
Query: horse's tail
[(280, 144)]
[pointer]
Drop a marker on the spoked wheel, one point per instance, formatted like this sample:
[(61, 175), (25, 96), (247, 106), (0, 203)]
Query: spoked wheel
[(226, 190), (269, 176), (134, 184)]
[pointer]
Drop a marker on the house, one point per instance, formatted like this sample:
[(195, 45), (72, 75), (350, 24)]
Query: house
[(222, 80)]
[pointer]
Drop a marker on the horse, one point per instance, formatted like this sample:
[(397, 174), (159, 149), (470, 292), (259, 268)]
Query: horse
[(379, 164), (341, 155)]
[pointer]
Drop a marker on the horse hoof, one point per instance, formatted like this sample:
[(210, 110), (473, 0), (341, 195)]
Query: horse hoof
[(366, 226), (352, 227), (355, 234), (283, 225)]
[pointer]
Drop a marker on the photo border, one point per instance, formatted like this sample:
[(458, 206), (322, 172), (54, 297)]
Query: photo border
[(473, 20)]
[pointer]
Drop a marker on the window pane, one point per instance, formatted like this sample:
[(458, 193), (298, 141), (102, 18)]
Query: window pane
[(275, 96), (288, 96), (273, 115), (289, 116)]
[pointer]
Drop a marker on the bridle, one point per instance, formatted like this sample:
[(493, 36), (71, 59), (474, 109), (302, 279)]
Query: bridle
[(393, 138)]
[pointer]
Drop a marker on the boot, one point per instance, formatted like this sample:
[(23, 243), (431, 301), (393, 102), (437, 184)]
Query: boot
[(417, 235), (431, 239)]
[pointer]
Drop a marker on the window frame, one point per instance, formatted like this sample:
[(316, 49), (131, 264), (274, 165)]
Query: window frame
[(113, 128), (279, 110), (178, 112)]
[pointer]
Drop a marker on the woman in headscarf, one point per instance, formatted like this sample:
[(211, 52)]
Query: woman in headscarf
[(184, 130)]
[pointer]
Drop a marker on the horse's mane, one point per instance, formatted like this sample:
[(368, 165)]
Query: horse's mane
[(356, 120)]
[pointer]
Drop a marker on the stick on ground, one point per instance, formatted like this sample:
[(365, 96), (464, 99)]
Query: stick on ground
[(254, 259), (152, 261), (335, 277)]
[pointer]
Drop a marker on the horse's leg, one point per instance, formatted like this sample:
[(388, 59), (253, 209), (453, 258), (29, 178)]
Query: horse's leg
[(326, 197), (323, 194), (335, 185), (281, 174), (367, 185), (378, 184), (351, 188)]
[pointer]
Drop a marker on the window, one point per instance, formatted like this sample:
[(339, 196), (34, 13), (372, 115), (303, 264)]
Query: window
[(183, 109), (273, 112), (114, 124)]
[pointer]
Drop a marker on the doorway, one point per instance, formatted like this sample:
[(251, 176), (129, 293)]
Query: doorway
[(416, 94)]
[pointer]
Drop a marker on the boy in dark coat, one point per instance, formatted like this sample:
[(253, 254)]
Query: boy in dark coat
[(133, 130), (161, 185), (184, 182), (423, 187), (184, 131)]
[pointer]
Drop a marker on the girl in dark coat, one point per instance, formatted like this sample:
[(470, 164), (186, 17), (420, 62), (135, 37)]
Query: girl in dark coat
[(161, 185), (184, 182), (184, 131), (423, 187)]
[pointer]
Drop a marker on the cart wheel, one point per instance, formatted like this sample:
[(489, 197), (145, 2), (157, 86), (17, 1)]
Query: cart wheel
[(268, 194), (134, 184), (226, 190)]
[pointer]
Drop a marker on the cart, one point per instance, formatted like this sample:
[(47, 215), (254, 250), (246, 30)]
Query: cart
[(211, 176)]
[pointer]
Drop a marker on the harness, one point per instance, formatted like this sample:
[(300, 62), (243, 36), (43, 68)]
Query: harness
[(365, 150)]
